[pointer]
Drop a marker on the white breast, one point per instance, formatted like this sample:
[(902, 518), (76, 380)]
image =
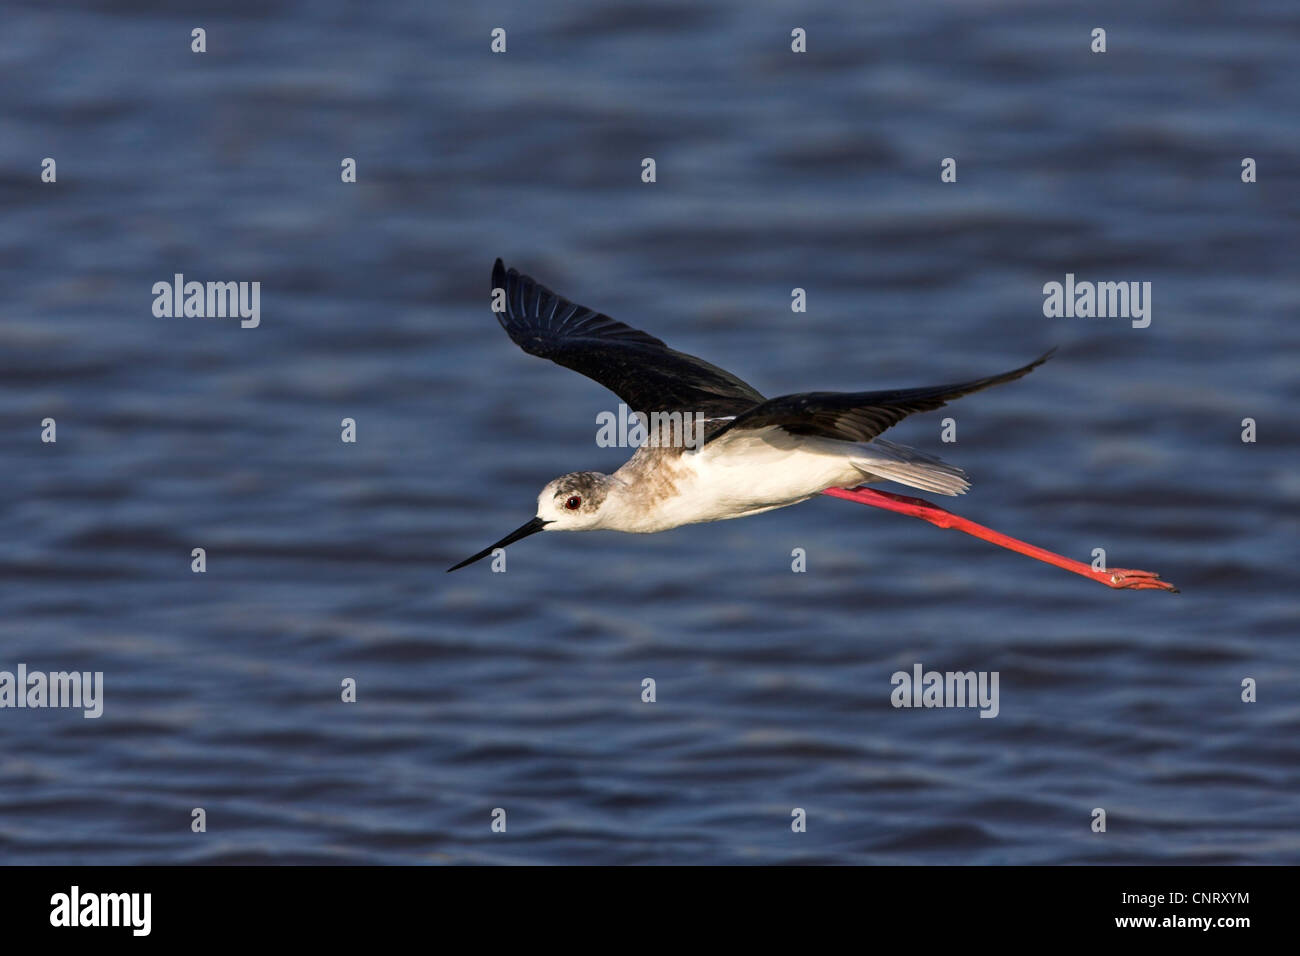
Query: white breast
[(742, 473)]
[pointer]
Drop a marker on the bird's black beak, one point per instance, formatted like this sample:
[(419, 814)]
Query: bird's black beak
[(534, 526)]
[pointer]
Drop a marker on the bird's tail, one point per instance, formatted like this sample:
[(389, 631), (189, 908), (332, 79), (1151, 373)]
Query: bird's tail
[(883, 460)]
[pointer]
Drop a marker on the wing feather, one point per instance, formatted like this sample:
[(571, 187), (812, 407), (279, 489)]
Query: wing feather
[(637, 367), (860, 416)]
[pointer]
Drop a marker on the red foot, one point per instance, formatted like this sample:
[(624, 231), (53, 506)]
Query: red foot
[(1135, 580), (927, 511)]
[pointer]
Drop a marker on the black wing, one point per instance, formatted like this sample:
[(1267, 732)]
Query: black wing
[(859, 416), (640, 369)]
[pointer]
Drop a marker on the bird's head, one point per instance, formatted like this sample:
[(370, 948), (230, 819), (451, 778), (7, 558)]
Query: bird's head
[(571, 502)]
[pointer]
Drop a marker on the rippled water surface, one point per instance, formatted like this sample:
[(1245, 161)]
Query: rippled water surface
[(522, 690)]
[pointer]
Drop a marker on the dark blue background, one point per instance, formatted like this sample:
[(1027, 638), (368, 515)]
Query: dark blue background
[(521, 690)]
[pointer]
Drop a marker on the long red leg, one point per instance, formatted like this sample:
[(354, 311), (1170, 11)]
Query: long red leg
[(918, 508)]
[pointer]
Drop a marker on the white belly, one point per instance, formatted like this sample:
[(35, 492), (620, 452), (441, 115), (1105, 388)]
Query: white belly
[(732, 478)]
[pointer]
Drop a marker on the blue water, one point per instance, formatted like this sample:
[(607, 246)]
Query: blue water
[(522, 690)]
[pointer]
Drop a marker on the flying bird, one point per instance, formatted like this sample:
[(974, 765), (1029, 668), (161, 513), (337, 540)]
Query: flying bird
[(718, 449)]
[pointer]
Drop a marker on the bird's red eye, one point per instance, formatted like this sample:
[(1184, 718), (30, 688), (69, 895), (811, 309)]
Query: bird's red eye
[(574, 503)]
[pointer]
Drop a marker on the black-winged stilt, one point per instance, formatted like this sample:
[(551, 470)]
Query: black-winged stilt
[(754, 454)]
